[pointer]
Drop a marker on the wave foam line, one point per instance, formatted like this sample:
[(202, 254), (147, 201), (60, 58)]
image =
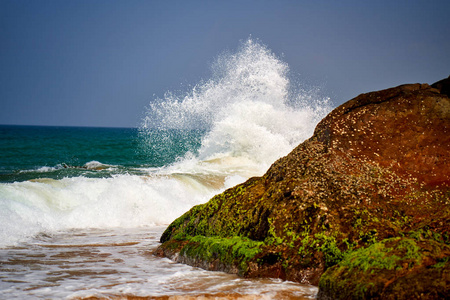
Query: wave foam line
[(31, 207)]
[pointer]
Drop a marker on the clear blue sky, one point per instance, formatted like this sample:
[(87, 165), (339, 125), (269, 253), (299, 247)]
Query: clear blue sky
[(100, 63)]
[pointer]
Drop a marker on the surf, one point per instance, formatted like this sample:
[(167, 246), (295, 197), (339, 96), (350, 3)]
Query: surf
[(213, 136)]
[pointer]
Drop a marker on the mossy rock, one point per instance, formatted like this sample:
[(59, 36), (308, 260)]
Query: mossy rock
[(376, 168), (395, 268), (245, 215), (232, 255)]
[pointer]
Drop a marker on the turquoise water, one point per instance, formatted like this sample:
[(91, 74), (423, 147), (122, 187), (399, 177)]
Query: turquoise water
[(30, 152)]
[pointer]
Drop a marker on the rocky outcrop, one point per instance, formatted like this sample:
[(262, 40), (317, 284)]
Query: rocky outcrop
[(376, 169)]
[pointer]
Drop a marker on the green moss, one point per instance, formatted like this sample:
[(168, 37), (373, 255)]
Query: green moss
[(328, 245), (378, 256), (442, 263), (426, 233), (332, 246), (373, 257), (237, 251)]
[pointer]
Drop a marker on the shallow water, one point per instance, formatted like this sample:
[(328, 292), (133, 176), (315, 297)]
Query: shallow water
[(118, 264)]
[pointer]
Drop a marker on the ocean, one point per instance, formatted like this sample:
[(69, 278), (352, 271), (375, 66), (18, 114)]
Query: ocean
[(82, 209)]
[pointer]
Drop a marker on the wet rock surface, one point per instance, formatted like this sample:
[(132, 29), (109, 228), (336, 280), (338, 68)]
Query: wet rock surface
[(376, 169)]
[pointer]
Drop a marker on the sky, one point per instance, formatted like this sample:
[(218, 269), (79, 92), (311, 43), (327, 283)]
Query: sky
[(101, 62)]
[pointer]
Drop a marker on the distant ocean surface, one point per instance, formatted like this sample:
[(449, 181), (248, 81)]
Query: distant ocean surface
[(82, 208), (31, 152)]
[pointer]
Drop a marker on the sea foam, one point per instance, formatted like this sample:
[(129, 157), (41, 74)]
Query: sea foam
[(47, 205)]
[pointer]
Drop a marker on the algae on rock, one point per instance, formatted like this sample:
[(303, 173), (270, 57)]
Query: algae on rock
[(374, 174)]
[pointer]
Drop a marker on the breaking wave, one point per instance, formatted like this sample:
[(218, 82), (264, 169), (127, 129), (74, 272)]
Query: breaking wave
[(247, 115)]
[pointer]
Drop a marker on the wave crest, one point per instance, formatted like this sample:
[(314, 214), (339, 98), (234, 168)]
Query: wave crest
[(249, 108)]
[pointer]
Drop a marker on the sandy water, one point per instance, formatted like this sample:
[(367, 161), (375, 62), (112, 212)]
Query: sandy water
[(118, 264)]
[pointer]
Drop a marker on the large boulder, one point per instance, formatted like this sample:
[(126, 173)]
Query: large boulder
[(376, 168)]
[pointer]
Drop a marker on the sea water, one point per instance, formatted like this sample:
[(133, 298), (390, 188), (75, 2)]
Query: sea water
[(82, 209)]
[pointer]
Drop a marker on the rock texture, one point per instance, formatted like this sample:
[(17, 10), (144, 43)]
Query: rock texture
[(376, 169), (396, 268)]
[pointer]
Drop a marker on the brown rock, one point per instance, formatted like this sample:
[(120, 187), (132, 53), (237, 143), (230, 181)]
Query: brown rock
[(377, 167), (405, 128)]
